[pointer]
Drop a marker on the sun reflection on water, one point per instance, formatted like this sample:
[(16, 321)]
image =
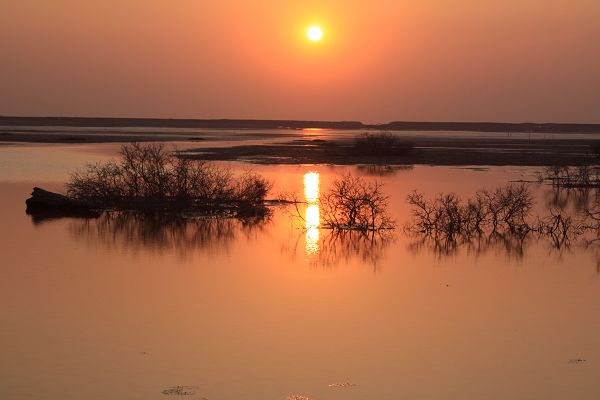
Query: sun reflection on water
[(312, 217), (311, 187)]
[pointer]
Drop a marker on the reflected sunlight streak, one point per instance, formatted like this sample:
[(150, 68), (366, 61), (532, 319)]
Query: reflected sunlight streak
[(311, 187), (312, 214)]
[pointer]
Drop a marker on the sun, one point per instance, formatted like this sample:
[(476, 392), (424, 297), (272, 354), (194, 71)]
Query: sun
[(314, 33)]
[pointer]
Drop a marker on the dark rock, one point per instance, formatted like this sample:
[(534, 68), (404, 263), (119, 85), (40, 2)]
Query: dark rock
[(44, 204)]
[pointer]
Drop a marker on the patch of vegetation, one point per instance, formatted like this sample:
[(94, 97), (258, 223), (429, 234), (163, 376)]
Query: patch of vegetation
[(148, 176), (497, 218), (354, 203), (583, 176), (504, 210), (380, 144)]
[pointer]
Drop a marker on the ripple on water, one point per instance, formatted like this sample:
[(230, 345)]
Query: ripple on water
[(180, 391), (341, 385)]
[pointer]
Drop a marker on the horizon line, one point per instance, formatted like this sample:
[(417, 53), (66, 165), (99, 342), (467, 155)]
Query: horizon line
[(292, 120)]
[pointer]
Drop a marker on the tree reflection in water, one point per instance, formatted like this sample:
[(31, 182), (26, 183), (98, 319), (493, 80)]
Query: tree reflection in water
[(137, 232), (510, 244), (382, 170), (339, 246), (576, 198)]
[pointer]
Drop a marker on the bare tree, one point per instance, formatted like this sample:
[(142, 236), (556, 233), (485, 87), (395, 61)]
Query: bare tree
[(149, 174), (356, 204), (502, 216)]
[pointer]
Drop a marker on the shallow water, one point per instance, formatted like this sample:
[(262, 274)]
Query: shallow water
[(131, 308)]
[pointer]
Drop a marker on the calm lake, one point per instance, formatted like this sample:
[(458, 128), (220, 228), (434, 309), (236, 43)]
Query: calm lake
[(124, 307)]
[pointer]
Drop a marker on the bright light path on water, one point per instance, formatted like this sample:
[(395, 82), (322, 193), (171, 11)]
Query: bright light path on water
[(312, 214)]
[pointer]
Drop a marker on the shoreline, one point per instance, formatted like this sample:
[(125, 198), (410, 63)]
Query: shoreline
[(293, 147), (449, 126)]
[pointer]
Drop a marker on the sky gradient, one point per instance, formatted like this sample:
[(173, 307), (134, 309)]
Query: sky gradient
[(431, 60)]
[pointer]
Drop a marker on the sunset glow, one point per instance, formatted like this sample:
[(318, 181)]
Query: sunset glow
[(369, 61), (314, 33), (301, 200)]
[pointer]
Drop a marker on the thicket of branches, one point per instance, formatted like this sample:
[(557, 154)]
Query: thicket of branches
[(583, 176), (150, 173), (505, 209), (356, 204), (505, 212), (380, 144)]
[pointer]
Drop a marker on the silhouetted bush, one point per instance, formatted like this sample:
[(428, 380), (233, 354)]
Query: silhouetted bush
[(150, 174), (380, 144), (357, 204), (505, 209), (504, 214), (583, 176)]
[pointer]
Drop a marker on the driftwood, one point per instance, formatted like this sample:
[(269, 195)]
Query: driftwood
[(46, 204)]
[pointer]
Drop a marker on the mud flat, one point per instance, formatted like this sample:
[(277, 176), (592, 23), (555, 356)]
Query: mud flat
[(426, 151)]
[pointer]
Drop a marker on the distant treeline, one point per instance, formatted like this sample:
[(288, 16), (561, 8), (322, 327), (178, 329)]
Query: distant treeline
[(295, 124), (178, 123), (491, 127)]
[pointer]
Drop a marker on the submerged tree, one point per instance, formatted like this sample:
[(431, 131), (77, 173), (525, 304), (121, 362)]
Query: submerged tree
[(505, 209), (583, 176), (503, 216), (356, 204)]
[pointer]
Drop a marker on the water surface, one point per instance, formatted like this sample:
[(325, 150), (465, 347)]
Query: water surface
[(124, 307)]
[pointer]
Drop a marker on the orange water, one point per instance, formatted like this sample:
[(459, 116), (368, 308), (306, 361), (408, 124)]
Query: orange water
[(125, 309)]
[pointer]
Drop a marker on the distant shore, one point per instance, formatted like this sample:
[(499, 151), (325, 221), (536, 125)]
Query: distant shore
[(293, 142), (503, 127), (426, 151)]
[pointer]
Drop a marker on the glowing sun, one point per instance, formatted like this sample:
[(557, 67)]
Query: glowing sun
[(314, 33)]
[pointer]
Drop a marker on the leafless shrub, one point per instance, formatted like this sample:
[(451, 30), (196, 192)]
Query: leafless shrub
[(583, 176), (561, 228), (492, 218), (509, 205), (355, 204), (149, 173), (505, 209), (251, 188), (380, 144)]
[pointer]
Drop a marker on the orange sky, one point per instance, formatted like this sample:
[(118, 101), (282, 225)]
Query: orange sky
[(471, 60)]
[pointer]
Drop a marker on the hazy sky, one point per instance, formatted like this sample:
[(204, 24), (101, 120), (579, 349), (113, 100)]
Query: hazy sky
[(436, 60)]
